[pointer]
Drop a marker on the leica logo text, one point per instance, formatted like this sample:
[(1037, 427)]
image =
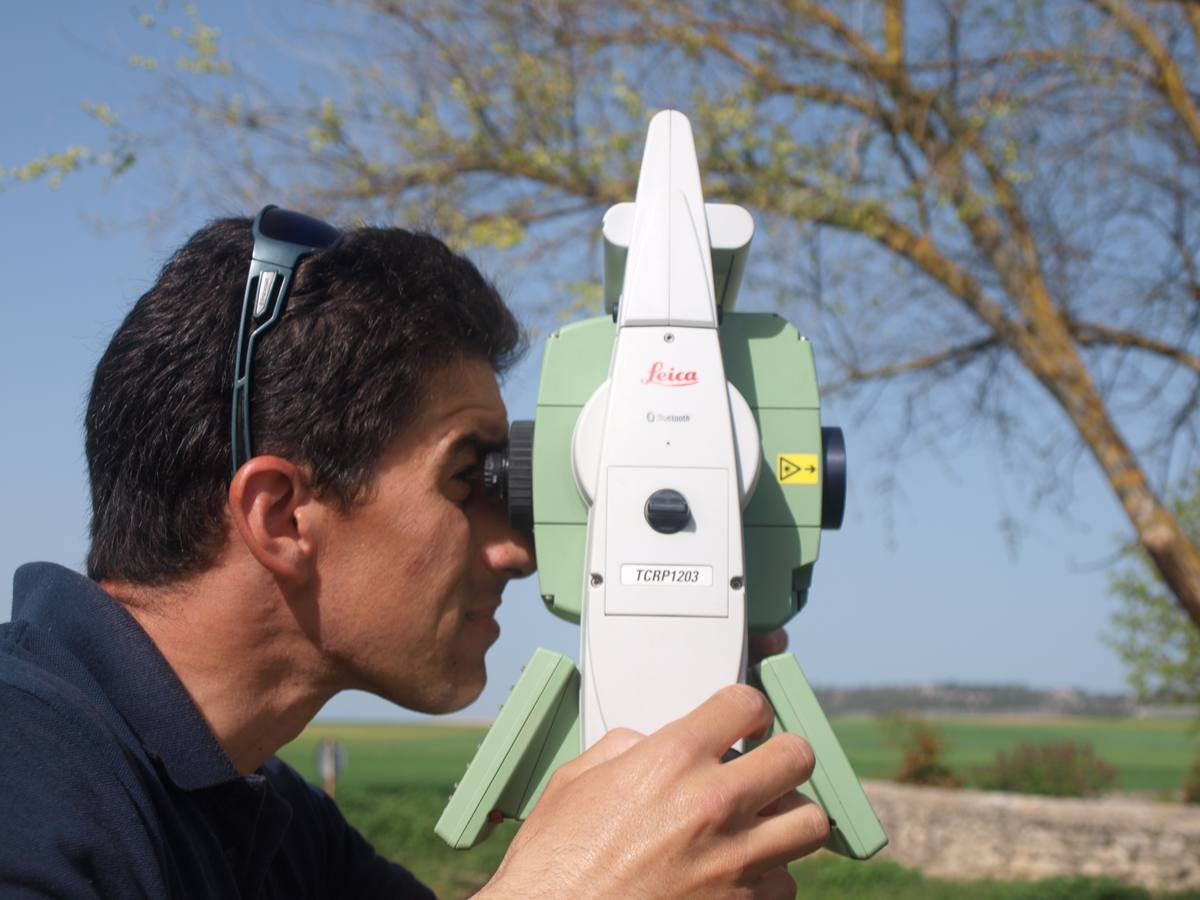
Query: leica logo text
[(671, 377)]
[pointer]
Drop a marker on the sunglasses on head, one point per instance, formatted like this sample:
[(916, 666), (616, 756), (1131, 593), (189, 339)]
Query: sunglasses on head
[(281, 239)]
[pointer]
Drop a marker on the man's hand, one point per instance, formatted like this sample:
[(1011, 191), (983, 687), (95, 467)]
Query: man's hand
[(661, 815)]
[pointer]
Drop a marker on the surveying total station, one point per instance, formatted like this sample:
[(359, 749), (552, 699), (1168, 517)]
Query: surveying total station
[(676, 480)]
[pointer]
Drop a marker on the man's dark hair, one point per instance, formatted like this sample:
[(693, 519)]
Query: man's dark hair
[(336, 379)]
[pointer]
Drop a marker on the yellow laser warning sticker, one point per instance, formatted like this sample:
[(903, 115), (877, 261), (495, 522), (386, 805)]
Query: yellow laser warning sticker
[(797, 468)]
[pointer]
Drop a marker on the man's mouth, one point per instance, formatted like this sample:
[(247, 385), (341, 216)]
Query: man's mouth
[(484, 620)]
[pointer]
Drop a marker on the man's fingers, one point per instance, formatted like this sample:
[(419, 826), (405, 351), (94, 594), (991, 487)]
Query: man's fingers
[(788, 801), (770, 770), (732, 713), (780, 839), (612, 745)]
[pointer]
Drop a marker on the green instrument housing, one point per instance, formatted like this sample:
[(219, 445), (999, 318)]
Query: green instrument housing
[(537, 729), (771, 364)]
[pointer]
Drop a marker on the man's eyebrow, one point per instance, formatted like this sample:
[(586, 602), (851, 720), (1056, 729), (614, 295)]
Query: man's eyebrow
[(476, 443)]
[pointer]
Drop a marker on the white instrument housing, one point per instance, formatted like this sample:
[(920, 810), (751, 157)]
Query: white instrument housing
[(664, 613)]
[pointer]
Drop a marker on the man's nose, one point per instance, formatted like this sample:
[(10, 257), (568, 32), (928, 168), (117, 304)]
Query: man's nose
[(508, 549)]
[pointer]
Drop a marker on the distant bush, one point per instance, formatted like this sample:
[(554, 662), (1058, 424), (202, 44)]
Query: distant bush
[(1066, 769), (1191, 784), (922, 750)]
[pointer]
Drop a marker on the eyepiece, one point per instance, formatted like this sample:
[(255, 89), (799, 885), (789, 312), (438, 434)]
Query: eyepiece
[(508, 474)]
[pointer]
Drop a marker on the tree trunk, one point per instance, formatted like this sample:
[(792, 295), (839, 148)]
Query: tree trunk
[(1158, 531)]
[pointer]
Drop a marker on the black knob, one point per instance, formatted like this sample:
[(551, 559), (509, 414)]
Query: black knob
[(833, 490), (667, 511)]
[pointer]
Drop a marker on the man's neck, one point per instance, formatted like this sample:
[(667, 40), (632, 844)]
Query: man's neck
[(243, 652)]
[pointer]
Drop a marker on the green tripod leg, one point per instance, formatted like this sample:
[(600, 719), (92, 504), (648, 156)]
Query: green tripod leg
[(536, 731), (854, 828)]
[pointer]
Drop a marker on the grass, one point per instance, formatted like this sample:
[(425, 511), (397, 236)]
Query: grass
[(825, 877), (398, 777), (399, 822)]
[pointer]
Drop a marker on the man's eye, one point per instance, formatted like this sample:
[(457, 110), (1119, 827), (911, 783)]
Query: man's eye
[(472, 478), (472, 473)]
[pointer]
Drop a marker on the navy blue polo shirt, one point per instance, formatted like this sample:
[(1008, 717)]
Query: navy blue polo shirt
[(112, 784)]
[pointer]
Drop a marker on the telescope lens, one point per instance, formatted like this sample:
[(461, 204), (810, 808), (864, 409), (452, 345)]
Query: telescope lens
[(495, 473)]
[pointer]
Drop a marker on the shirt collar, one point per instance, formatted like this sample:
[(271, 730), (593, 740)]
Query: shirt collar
[(131, 672)]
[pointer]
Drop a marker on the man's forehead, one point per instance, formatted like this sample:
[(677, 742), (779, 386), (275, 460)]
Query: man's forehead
[(460, 407), (465, 396)]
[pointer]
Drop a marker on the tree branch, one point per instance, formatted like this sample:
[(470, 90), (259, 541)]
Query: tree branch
[(893, 32), (1169, 81), (959, 354), (1092, 334), (876, 223)]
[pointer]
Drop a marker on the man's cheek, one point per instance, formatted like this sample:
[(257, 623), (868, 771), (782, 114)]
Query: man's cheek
[(420, 555)]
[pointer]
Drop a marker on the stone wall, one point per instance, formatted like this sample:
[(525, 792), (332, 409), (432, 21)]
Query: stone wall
[(977, 834)]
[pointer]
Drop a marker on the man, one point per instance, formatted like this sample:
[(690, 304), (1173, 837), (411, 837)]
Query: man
[(351, 547)]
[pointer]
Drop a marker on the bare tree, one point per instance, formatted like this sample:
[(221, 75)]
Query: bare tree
[(989, 201)]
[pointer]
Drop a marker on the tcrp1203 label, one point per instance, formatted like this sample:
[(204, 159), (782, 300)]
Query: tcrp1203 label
[(670, 576)]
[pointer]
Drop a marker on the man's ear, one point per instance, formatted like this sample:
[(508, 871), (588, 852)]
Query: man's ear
[(271, 506)]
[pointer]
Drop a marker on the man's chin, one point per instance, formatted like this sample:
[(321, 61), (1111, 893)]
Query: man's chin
[(450, 696), (464, 696)]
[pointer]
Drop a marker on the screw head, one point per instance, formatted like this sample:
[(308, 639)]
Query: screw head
[(735, 583), (669, 337), (597, 579)]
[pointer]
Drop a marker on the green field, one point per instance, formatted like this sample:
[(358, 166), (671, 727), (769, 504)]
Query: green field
[(398, 777), (1149, 754)]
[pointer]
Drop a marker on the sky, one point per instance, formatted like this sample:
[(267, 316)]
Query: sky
[(922, 587)]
